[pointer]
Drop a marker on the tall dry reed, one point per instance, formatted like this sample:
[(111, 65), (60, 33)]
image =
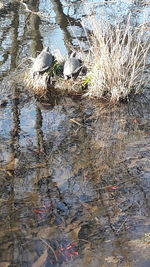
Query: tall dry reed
[(117, 59)]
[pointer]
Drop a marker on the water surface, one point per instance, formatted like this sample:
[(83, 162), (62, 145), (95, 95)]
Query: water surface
[(75, 174)]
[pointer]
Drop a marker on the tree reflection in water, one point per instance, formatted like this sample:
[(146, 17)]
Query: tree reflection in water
[(75, 173)]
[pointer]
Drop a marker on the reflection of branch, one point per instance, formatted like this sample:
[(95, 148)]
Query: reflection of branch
[(15, 109), (39, 132), (35, 22), (14, 24), (64, 20), (30, 11), (12, 6), (5, 56), (93, 3), (4, 33), (16, 123), (26, 7), (15, 41)]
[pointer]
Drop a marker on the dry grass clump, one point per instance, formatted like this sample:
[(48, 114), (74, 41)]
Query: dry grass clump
[(51, 81), (41, 83), (115, 63), (70, 87), (44, 83), (37, 85), (117, 60)]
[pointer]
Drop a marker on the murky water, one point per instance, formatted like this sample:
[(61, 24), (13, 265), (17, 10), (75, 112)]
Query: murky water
[(75, 174)]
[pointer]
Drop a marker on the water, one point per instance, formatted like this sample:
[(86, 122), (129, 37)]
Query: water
[(75, 174)]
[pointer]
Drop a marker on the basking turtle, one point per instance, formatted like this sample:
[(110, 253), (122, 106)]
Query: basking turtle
[(72, 66), (43, 61)]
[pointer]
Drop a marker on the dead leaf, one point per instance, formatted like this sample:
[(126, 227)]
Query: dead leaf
[(47, 232), (72, 230)]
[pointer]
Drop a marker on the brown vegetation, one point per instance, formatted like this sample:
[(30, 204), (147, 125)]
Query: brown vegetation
[(116, 64), (117, 60)]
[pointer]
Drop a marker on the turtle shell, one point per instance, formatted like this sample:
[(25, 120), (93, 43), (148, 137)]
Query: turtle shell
[(72, 66), (43, 61)]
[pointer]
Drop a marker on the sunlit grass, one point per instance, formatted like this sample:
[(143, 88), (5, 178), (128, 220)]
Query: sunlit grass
[(116, 60), (115, 63)]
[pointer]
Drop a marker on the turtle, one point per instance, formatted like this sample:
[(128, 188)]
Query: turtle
[(72, 66), (43, 61)]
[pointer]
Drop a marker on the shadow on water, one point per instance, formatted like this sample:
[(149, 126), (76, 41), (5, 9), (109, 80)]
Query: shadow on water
[(74, 187)]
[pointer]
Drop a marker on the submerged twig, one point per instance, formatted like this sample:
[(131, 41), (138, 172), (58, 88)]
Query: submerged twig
[(121, 225), (76, 122), (48, 245)]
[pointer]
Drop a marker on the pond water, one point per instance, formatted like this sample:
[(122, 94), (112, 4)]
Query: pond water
[(75, 173)]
